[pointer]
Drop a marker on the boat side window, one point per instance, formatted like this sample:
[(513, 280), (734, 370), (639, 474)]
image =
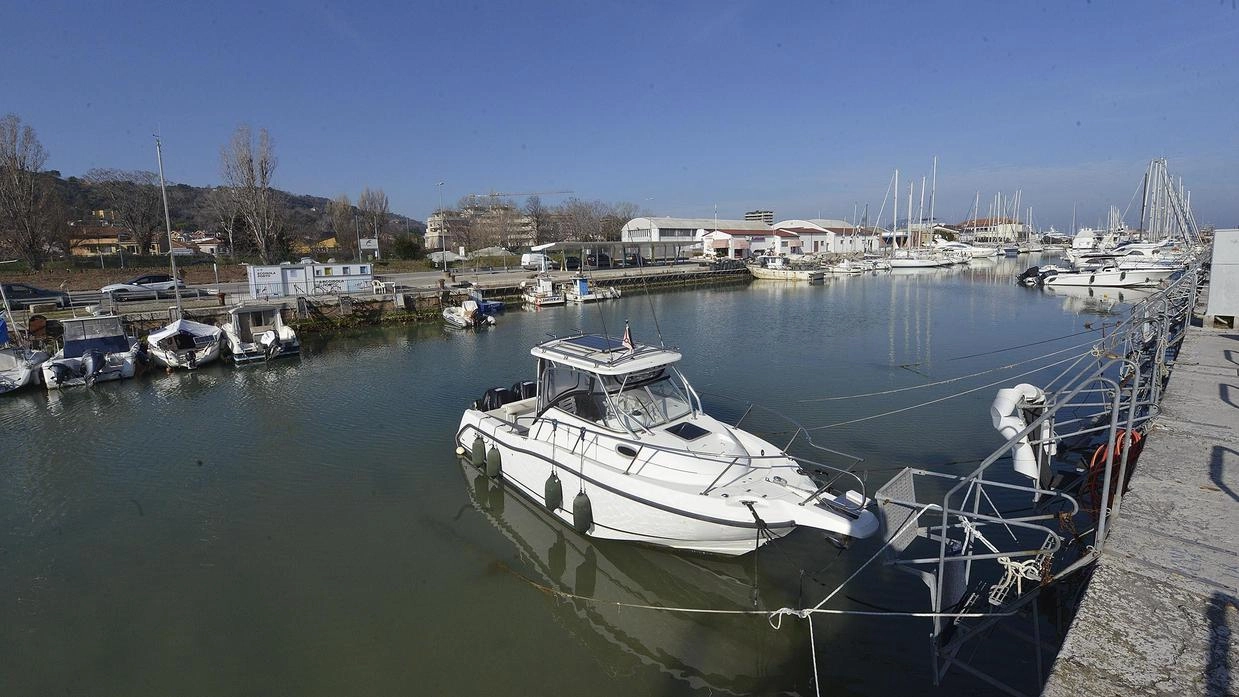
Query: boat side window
[(572, 391)]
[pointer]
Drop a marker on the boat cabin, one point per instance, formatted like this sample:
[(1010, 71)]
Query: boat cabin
[(621, 387), (251, 321), (83, 334)]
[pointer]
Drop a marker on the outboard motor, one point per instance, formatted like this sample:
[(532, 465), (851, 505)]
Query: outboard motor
[(494, 398), (93, 363), (525, 389), (1013, 409), (1031, 277), (270, 343)]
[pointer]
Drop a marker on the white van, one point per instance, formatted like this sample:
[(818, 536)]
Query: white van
[(534, 261)]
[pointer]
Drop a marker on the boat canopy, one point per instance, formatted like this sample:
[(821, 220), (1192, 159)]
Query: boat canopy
[(604, 355), (186, 326), (87, 333)]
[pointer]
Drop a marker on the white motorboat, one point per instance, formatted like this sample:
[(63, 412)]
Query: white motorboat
[(777, 269), (1108, 275), (95, 349), (969, 250), (467, 316), (578, 290), (258, 333), (185, 344), (542, 293), (616, 426)]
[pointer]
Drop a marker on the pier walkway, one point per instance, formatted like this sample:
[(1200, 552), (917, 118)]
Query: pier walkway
[(1161, 614)]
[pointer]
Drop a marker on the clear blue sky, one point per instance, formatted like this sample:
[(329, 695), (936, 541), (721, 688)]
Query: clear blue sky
[(802, 107)]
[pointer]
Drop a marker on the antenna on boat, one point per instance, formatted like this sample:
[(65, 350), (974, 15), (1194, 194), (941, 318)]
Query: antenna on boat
[(167, 219)]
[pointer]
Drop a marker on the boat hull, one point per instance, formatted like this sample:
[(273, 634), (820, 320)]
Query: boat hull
[(628, 506), (1110, 279), (786, 274), (59, 373), (188, 359), (20, 368)]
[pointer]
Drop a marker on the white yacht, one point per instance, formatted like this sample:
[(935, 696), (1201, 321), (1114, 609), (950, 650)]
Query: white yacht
[(258, 333), (95, 349), (616, 428), (185, 344), (1108, 275)]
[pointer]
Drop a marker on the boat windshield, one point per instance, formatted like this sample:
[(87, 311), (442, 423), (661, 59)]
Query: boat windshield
[(630, 402), (646, 400)]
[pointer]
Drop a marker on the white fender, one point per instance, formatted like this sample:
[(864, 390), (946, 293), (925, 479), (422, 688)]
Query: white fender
[(1008, 421)]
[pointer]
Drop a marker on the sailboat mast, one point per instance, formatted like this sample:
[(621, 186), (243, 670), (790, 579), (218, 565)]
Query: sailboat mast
[(895, 215), (167, 219), (933, 192)]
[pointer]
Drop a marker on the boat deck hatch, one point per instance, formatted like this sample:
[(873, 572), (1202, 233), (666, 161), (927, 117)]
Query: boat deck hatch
[(687, 431)]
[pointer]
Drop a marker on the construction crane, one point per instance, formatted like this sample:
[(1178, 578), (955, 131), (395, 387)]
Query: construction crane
[(508, 194)]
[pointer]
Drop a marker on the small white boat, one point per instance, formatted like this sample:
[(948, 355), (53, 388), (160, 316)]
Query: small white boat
[(185, 344), (467, 316), (95, 349), (777, 269), (19, 366), (258, 333), (616, 428), (542, 293), (578, 290)]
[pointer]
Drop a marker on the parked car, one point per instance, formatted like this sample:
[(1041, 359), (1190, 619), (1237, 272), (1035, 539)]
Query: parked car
[(144, 284), (635, 260), (601, 260), (571, 263), (22, 296)]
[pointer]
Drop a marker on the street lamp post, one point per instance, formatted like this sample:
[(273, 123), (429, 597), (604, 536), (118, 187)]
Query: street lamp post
[(442, 226)]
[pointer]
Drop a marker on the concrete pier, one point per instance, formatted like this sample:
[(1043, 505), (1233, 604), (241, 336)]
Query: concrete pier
[(1161, 614)]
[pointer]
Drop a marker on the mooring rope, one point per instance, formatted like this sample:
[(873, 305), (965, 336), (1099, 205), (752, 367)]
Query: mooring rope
[(948, 380), (943, 399), (1033, 343)]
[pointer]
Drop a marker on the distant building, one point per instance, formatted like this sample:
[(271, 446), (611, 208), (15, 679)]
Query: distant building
[(766, 217), (93, 240), (477, 226), (993, 229), (829, 236)]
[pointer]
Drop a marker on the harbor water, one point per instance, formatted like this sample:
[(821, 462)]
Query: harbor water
[(304, 527)]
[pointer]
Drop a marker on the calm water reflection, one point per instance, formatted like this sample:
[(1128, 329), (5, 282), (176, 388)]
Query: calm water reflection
[(304, 527)]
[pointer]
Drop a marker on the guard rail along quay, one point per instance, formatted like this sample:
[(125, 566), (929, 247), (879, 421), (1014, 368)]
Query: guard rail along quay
[(1063, 500)]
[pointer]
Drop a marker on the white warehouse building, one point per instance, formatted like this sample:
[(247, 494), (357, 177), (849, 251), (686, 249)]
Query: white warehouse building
[(829, 236)]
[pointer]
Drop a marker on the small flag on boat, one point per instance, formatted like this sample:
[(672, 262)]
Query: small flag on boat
[(628, 339)]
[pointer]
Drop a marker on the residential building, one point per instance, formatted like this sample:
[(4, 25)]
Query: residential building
[(477, 226), (766, 217), (93, 240)]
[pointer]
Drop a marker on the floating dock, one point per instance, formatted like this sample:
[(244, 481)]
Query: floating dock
[(1161, 613)]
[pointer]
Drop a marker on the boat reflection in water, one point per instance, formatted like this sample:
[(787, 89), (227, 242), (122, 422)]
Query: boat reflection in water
[(1097, 300), (597, 586)]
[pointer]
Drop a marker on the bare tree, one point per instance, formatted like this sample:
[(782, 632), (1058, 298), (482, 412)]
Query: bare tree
[(28, 202), (343, 224), (247, 166), (134, 197), (375, 212), (225, 215)]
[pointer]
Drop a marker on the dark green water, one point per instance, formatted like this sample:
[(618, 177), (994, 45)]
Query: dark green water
[(304, 528)]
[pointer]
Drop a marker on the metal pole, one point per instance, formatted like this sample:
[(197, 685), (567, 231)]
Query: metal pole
[(167, 219)]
